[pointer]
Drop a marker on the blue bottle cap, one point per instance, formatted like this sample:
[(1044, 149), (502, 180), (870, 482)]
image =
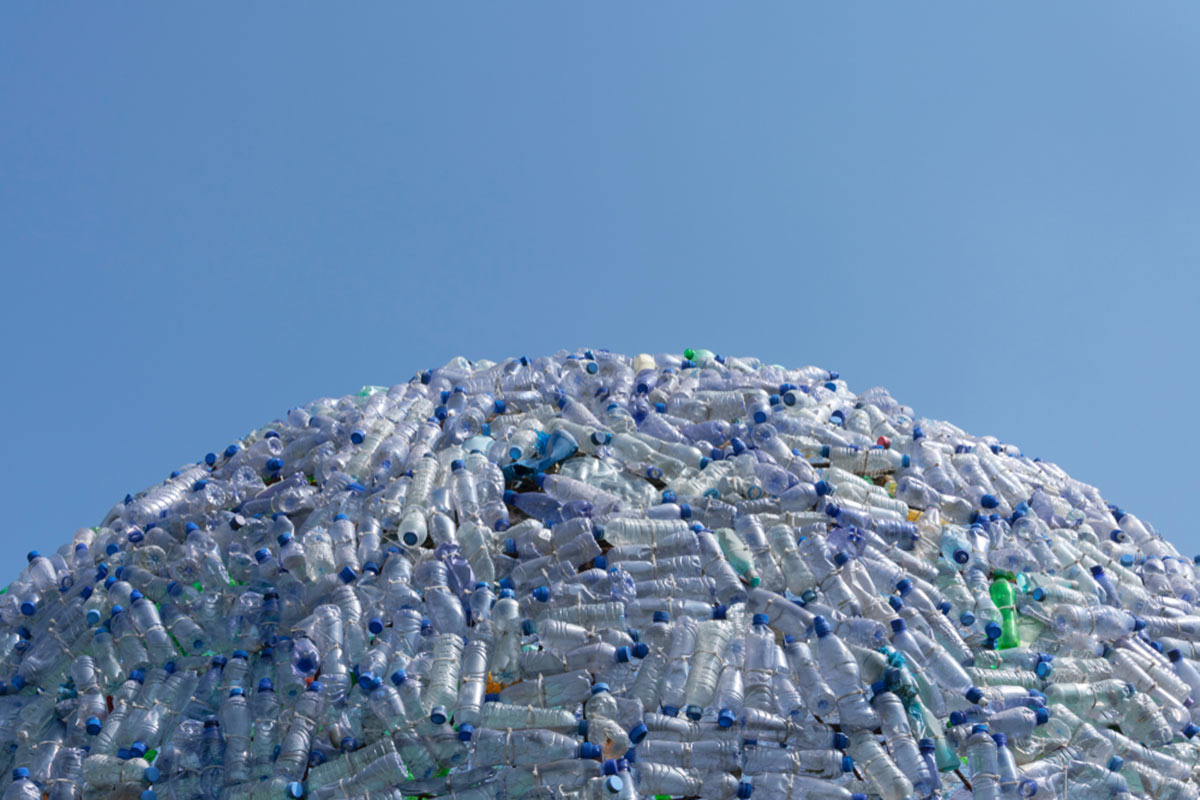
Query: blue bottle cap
[(1174, 655), (600, 562), (464, 732), (926, 745), (974, 694), (457, 464), (821, 627), (28, 608), (375, 625), (671, 711), (582, 728), (399, 677), (609, 767), (1000, 739), (693, 712), (993, 630), (744, 790), (904, 587), (638, 733), (541, 594), (1044, 669), (266, 685), (1116, 763), (600, 686), (662, 616), (261, 554), (847, 764), (989, 501), (641, 650), (622, 654), (1042, 714), (962, 556), (1139, 624), (1190, 730), (94, 725), (858, 796), (439, 715), (148, 794), (315, 686), (840, 741), (1097, 570), (295, 790), (719, 611), (760, 619), (347, 575), (589, 751), (899, 625), (966, 618), (725, 718), (895, 602), (613, 784)]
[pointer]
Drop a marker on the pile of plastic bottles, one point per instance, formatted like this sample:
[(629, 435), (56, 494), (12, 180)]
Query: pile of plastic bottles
[(596, 576)]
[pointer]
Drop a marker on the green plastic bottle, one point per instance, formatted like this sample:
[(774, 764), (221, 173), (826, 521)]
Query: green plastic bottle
[(1002, 595), (738, 555)]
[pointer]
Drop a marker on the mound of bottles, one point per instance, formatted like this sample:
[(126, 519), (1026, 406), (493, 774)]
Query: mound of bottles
[(591, 575)]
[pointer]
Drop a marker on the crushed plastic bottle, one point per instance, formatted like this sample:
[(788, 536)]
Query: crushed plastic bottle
[(589, 575)]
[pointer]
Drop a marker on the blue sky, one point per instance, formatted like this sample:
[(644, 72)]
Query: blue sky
[(208, 217)]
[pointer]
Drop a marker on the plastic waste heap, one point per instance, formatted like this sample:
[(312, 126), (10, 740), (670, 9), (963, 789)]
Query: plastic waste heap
[(596, 576)]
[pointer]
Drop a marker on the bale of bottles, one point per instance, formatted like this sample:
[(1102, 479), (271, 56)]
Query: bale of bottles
[(591, 575)]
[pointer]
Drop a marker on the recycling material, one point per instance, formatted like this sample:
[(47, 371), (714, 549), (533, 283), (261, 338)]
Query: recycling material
[(591, 575)]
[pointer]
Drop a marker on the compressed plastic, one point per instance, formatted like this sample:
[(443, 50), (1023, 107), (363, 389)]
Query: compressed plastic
[(595, 576)]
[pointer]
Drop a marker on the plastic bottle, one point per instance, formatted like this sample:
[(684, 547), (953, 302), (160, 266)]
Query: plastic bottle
[(840, 671)]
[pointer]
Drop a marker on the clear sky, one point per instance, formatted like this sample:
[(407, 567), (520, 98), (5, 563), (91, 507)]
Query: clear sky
[(211, 214)]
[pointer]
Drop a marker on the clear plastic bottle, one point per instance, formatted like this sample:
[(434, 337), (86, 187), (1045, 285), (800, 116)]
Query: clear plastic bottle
[(840, 670)]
